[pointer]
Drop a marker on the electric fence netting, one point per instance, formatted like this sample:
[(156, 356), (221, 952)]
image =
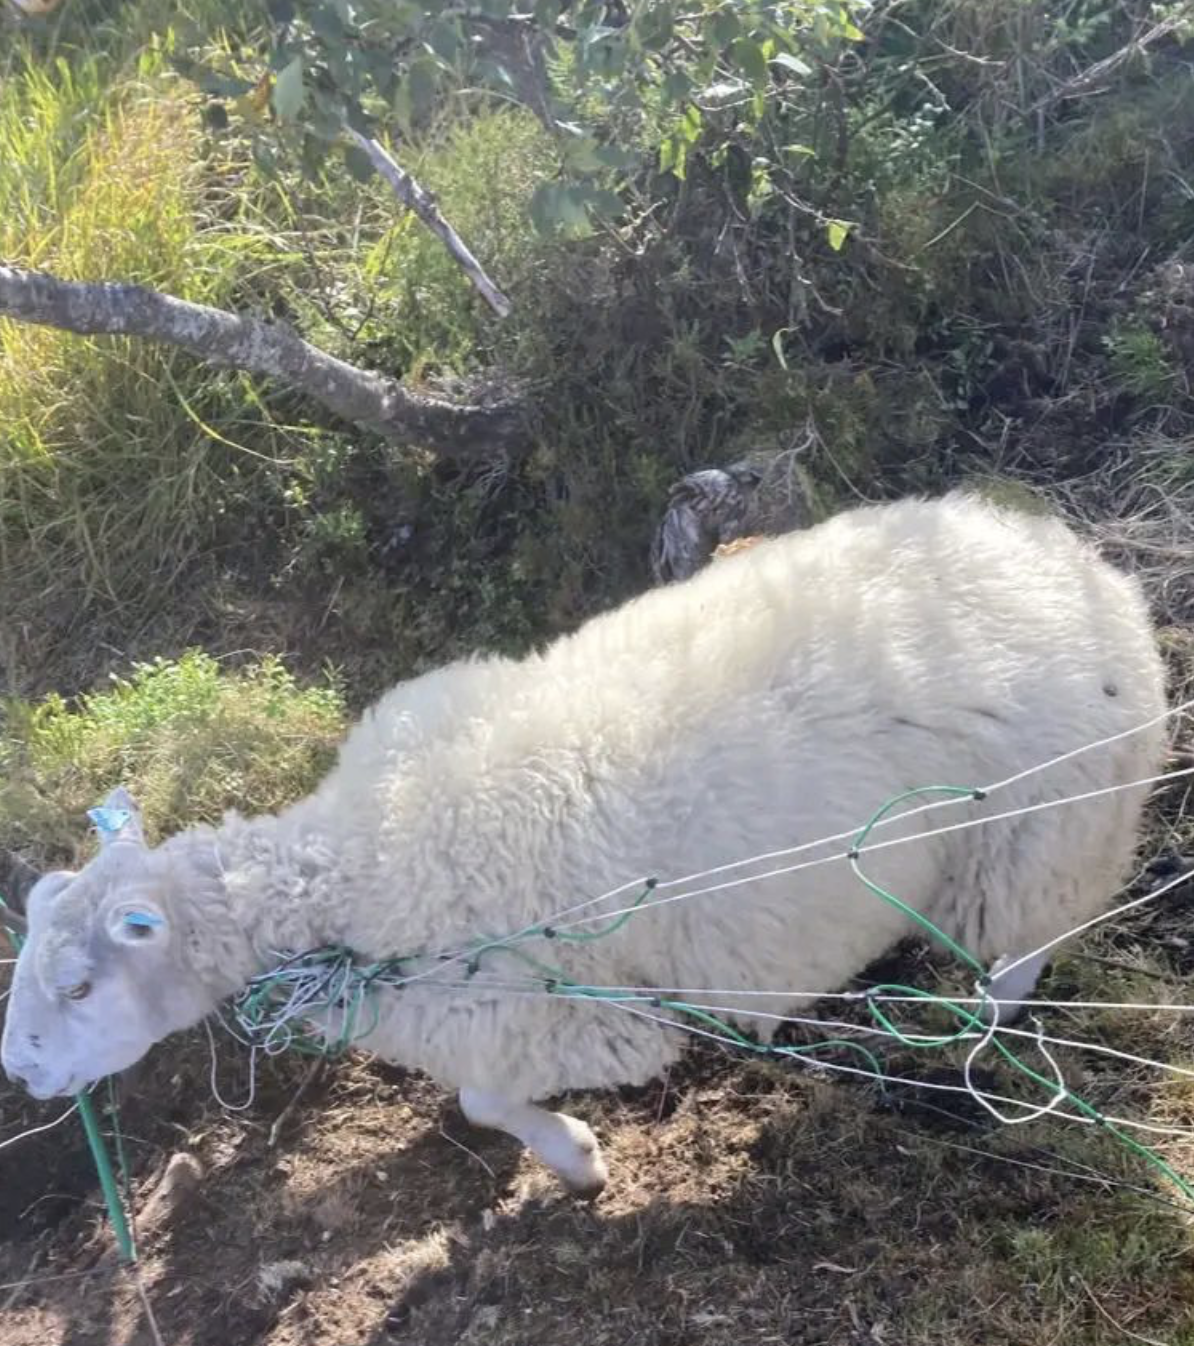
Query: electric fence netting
[(322, 1001)]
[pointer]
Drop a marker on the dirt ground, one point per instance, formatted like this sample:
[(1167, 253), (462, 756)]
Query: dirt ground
[(748, 1202)]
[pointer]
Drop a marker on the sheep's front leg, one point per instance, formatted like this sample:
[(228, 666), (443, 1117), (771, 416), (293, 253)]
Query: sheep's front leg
[(566, 1145), (1017, 983)]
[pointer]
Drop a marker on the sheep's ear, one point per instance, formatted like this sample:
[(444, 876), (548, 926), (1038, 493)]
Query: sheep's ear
[(118, 819), (135, 923)]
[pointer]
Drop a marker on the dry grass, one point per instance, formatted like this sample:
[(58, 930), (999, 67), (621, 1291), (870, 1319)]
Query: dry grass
[(1139, 507)]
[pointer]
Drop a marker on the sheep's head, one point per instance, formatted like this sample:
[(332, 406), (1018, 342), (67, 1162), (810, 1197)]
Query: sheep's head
[(99, 979)]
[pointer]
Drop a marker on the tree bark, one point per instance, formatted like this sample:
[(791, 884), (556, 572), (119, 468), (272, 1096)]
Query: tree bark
[(455, 431), (417, 198)]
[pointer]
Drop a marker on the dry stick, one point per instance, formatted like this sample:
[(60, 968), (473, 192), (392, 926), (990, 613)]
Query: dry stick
[(472, 1154), (1119, 1327), (20, 1286), (107, 1269), (314, 1070), (418, 199), (147, 1306), (1088, 80)]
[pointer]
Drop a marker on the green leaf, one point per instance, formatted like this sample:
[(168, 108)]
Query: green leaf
[(422, 83), (403, 106), (443, 37), (313, 155), (605, 205), (673, 157), (211, 81), (761, 186), (289, 91), (610, 156), (545, 207), (800, 149), (564, 207), (265, 158), (358, 163), (748, 57), (653, 26), (581, 155), (777, 345), (326, 23), (792, 63), (677, 84), (724, 28), (326, 115), (837, 232)]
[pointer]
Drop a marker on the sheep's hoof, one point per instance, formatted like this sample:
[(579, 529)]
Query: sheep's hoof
[(576, 1159), (586, 1180), (588, 1191)]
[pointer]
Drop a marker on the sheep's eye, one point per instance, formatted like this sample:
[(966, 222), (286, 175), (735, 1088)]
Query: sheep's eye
[(80, 992)]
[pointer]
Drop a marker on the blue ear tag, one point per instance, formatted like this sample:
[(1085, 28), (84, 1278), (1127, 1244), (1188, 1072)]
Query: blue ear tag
[(143, 920), (109, 821)]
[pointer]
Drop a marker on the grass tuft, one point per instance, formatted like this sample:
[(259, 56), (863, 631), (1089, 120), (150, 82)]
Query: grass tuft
[(188, 737)]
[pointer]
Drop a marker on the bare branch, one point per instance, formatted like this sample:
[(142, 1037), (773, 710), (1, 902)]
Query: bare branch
[(1096, 76), (456, 431), (418, 199)]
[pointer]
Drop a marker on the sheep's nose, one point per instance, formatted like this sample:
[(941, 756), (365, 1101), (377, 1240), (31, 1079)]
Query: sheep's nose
[(21, 1070), (33, 1081)]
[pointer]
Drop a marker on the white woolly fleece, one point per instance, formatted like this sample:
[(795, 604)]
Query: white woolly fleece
[(779, 696)]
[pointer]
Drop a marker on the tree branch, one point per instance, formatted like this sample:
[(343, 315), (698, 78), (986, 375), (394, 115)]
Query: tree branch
[(1096, 76), (416, 198), (456, 431)]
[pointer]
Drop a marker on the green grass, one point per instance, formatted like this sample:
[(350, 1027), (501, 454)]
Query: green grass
[(119, 460), (128, 470), (188, 737)]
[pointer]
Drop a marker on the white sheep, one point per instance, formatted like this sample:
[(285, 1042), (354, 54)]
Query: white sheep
[(776, 698)]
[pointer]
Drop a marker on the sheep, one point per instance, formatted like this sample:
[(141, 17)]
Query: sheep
[(775, 698)]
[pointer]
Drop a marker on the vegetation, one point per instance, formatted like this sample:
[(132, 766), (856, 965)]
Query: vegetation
[(193, 738), (1004, 299), (954, 248)]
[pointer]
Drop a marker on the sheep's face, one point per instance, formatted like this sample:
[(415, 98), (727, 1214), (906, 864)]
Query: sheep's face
[(98, 981)]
